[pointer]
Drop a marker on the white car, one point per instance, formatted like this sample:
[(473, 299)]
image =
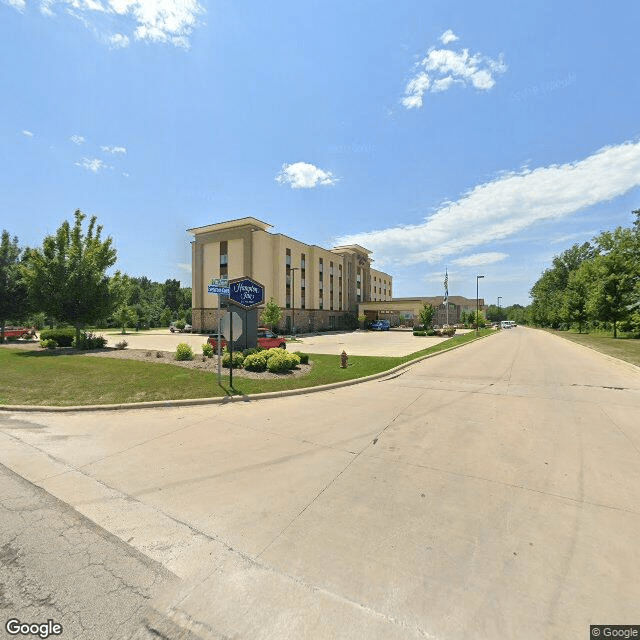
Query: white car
[(507, 324)]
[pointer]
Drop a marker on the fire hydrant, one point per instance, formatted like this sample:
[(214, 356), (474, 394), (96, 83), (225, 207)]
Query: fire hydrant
[(344, 359)]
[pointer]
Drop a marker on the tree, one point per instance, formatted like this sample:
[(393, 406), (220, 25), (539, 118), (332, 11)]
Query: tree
[(13, 295), (66, 278), (577, 294), (426, 314), (172, 296), (271, 314)]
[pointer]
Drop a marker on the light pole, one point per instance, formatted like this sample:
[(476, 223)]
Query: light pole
[(293, 298), (477, 306), (499, 314)]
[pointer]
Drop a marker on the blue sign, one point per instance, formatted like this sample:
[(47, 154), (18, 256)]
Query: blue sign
[(221, 291), (246, 292)]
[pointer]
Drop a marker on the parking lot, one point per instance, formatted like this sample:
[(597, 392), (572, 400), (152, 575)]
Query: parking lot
[(356, 343)]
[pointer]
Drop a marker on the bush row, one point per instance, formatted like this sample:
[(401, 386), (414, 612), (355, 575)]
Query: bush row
[(52, 338)]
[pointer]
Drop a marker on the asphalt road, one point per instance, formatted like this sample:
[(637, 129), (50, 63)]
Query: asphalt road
[(489, 492), (56, 565)]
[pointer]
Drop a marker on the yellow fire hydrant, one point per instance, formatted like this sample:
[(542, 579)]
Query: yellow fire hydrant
[(344, 359)]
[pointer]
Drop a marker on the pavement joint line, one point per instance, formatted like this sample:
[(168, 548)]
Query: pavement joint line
[(504, 484), (187, 402)]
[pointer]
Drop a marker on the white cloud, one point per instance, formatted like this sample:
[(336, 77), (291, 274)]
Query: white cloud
[(448, 36), (164, 21), (76, 139), (479, 259), (118, 41), (95, 165), (443, 68), (114, 150), (26, 133), (302, 175), (184, 266), (508, 205), (16, 4)]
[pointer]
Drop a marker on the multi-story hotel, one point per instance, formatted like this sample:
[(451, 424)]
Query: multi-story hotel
[(315, 287)]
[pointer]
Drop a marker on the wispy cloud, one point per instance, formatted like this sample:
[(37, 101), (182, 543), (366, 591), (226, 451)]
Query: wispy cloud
[(76, 139), (448, 36), (28, 134), (302, 175), (118, 41), (441, 69), (506, 206), (95, 165), (184, 266), (19, 5), (161, 21), (479, 259), (114, 150)]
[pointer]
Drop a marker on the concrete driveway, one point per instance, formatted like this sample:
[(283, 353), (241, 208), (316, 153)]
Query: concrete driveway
[(357, 343), (490, 492)]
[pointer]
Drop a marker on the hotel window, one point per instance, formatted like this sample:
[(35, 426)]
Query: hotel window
[(224, 259), (287, 259)]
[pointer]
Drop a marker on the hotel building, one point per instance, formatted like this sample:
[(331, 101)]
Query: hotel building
[(320, 286)]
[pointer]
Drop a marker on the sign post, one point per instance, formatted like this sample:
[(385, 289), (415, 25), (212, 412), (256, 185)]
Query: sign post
[(219, 287), (231, 324)]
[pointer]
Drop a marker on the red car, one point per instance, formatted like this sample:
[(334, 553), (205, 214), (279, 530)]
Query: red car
[(266, 339), (18, 332)]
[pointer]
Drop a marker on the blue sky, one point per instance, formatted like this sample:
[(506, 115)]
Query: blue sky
[(481, 138)]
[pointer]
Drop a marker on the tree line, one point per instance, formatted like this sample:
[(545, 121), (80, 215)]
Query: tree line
[(593, 285), (64, 282)]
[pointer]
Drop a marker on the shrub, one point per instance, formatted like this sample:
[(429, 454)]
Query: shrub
[(122, 345), (238, 359), (159, 354), (256, 361), (279, 360), (252, 350), (432, 332), (278, 363), (184, 352), (63, 336), (90, 341), (304, 357), (207, 350), (48, 343), (419, 333), (180, 324)]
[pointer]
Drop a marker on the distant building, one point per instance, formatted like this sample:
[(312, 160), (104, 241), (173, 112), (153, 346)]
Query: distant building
[(409, 309), (322, 286)]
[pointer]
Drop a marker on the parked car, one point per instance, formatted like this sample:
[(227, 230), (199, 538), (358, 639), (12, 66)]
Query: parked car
[(380, 325), (266, 339), (507, 324), (173, 327)]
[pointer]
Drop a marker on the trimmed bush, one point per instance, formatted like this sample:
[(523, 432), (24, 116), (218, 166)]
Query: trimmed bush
[(431, 332), (256, 361), (90, 341), (304, 357), (252, 350), (122, 345), (184, 352), (238, 359), (64, 336), (207, 350), (279, 360), (48, 344), (419, 333)]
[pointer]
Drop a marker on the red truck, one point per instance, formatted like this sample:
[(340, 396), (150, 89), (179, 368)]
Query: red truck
[(266, 339), (11, 333)]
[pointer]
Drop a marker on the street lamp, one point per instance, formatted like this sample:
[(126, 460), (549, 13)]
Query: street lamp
[(293, 298), (499, 314), (477, 306)]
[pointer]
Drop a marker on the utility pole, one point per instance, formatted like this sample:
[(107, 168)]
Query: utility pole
[(477, 306)]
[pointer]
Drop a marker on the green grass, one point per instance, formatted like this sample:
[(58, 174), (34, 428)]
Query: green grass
[(627, 349), (42, 378)]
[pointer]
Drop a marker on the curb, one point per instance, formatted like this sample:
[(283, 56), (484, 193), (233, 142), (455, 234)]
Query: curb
[(189, 402)]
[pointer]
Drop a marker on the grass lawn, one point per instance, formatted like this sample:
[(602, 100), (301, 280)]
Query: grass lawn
[(55, 379), (627, 349)]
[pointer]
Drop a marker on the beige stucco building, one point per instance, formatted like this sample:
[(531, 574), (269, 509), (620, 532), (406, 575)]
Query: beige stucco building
[(316, 287), (409, 309)]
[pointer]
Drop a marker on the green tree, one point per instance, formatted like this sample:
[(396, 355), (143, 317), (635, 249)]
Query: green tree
[(13, 295), (66, 278), (165, 317), (576, 295), (271, 314), (426, 315)]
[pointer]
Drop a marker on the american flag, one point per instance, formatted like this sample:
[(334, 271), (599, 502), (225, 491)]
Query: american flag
[(446, 287)]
